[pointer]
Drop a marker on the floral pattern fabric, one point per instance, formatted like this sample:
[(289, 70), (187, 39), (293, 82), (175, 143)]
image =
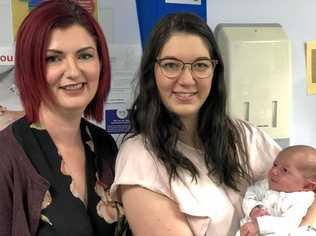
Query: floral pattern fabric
[(108, 209), (46, 202), (97, 213)]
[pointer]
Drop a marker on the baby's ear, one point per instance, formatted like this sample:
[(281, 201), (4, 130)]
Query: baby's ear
[(310, 185)]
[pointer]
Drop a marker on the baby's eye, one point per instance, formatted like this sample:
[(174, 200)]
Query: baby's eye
[(52, 59), (285, 170)]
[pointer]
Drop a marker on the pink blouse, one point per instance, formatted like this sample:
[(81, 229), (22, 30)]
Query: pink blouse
[(210, 209)]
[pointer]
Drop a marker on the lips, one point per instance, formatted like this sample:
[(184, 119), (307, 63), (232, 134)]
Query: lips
[(72, 87), (184, 96)]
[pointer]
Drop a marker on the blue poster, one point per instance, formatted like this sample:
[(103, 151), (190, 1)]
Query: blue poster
[(116, 121), (149, 12), (34, 3)]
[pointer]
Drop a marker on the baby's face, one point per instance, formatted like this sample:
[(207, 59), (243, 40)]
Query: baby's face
[(285, 175)]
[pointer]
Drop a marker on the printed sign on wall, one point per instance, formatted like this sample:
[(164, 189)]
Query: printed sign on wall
[(116, 121), (310, 52), (193, 2), (6, 56)]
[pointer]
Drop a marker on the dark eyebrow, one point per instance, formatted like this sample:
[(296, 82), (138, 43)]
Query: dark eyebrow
[(54, 51), (175, 58), (169, 57), (86, 48), (202, 58), (79, 51)]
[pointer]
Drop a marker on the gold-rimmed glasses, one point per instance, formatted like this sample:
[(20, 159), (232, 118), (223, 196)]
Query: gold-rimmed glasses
[(201, 68)]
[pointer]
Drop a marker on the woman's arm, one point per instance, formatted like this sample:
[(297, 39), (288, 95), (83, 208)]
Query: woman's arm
[(6, 205), (310, 217), (6, 188), (150, 213)]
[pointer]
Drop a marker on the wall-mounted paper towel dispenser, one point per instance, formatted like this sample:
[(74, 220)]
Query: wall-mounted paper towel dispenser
[(257, 60)]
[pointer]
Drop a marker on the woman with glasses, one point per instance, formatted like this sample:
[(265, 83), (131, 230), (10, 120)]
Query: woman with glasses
[(185, 165)]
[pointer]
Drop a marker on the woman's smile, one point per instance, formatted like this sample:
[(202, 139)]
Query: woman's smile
[(185, 96), (73, 87), (73, 68)]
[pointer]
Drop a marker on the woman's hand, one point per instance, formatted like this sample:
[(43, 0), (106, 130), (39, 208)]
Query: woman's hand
[(310, 217), (2, 110), (7, 116), (150, 213)]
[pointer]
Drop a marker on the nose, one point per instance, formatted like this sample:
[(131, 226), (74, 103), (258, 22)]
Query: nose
[(186, 76), (72, 68), (275, 171)]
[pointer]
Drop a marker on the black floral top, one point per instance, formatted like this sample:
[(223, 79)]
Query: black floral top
[(63, 211)]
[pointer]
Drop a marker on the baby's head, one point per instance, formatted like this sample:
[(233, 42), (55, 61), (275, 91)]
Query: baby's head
[(294, 170)]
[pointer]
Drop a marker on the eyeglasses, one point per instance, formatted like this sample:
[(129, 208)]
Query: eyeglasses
[(173, 68)]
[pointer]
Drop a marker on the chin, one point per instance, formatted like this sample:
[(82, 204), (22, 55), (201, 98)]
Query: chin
[(186, 112), (273, 186), (75, 105)]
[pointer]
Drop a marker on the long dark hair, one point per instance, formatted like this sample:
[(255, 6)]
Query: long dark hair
[(226, 156)]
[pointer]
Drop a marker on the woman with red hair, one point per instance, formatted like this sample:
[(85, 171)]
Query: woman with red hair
[(56, 167)]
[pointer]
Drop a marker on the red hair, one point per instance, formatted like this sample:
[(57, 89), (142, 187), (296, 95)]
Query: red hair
[(31, 44)]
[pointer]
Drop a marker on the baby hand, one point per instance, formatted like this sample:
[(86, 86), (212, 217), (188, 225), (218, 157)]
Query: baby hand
[(257, 212), (249, 229)]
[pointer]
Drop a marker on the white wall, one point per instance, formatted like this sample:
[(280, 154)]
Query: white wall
[(120, 16), (298, 19), (8, 96), (296, 16), (6, 36)]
